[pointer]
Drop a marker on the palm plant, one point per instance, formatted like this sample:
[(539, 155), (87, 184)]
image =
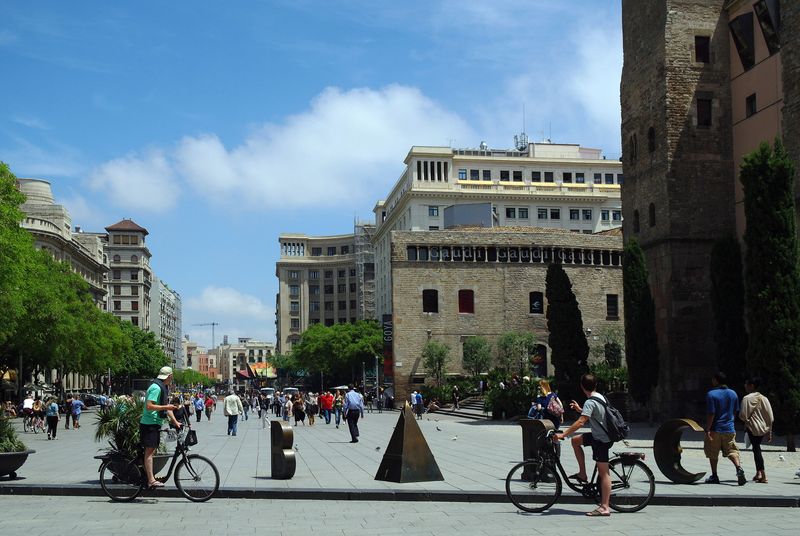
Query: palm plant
[(9, 442), (119, 424)]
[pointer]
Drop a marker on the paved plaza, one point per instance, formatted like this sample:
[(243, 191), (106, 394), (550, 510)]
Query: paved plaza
[(474, 458)]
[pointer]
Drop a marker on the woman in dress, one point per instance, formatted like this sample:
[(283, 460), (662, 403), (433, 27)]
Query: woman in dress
[(299, 410), (313, 407)]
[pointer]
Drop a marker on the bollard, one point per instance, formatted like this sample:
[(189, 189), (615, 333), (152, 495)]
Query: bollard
[(534, 432), (283, 460), (667, 450)]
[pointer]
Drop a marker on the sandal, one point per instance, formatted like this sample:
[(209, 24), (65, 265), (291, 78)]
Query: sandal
[(598, 513), (155, 484), (578, 477)]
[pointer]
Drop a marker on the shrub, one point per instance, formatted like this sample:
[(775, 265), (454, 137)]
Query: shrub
[(9, 442)]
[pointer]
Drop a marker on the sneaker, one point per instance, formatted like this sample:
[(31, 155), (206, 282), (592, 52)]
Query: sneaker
[(740, 476), (713, 479)]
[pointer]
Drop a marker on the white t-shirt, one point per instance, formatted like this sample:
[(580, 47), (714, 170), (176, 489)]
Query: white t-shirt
[(27, 403)]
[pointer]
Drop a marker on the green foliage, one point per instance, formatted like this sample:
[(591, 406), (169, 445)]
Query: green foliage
[(435, 356), (339, 349), (190, 378), (610, 379), (9, 442), (641, 345), (477, 355), (287, 367), (513, 401), (772, 280), (727, 299), (15, 243), (119, 424), (444, 393), (142, 358), (570, 351), (514, 351), (610, 350)]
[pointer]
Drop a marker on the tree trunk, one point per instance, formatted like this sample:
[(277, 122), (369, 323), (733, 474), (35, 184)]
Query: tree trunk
[(790, 446)]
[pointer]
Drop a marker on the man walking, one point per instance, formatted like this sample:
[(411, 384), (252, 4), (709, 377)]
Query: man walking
[(211, 405), (721, 406), (199, 405), (233, 408), (353, 408)]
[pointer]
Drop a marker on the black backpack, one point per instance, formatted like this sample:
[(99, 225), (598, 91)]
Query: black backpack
[(615, 426)]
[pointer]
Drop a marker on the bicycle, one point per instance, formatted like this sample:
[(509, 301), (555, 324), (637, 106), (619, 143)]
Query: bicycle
[(534, 485), (37, 423), (196, 477)]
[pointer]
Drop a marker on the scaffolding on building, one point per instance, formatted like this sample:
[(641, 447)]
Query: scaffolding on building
[(365, 269)]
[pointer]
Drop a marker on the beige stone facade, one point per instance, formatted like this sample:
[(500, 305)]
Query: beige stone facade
[(502, 268), (130, 278), (233, 359)]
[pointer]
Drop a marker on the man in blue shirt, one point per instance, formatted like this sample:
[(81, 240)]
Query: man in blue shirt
[(353, 408), (721, 406)]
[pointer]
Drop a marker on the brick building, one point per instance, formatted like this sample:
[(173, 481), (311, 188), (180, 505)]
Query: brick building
[(449, 285)]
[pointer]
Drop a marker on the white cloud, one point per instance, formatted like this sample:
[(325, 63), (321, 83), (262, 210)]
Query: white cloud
[(31, 122), (141, 182), (237, 315), (230, 302)]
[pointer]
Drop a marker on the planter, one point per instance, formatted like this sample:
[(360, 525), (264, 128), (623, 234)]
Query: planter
[(11, 461)]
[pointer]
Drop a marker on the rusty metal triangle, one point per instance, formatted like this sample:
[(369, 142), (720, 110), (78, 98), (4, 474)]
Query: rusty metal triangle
[(408, 458)]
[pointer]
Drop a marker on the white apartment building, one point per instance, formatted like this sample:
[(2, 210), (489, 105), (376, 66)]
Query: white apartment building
[(165, 320), (548, 185)]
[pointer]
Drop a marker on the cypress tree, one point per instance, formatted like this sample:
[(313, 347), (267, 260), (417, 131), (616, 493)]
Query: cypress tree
[(727, 299), (641, 345), (772, 281), (568, 345)]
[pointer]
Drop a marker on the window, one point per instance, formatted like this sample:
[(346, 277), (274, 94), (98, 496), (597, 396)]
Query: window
[(294, 290), (612, 306), (117, 305), (651, 212), (598, 178), (328, 274), (294, 306), (135, 305), (433, 212), (580, 178), (329, 321), (769, 18), (616, 215), (126, 239), (536, 176), (344, 250), (135, 320), (750, 105), (702, 49), (541, 214), (328, 289), (604, 215), (433, 227), (313, 274), (352, 272), (295, 323), (117, 290), (474, 174), (294, 274), (609, 178), (522, 213), (352, 287), (134, 275), (743, 34), (620, 178), (462, 174), (651, 139), (587, 214), (635, 221), (536, 303), (331, 251), (517, 176), (116, 274), (117, 239), (504, 175), (487, 175), (341, 288), (134, 240), (329, 306), (342, 305), (574, 214), (352, 304), (342, 273), (134, 290), (316, 252), (511, 212), (548, 176), (134, 258), (566, 177), (116, 258), (466, 301), (430, 301), (555, 213), (313, 306), (313, 290), (703, 112)]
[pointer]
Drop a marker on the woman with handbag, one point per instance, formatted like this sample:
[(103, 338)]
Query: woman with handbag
[(756, 412)]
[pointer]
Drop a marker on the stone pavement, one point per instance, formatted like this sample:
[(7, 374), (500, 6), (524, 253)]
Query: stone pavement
[(91, 516), (474, 457)]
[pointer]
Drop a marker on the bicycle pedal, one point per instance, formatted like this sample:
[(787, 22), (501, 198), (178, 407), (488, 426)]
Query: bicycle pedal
[(161, 479)]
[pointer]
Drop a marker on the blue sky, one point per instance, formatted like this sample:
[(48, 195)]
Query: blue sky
[(220, 125)]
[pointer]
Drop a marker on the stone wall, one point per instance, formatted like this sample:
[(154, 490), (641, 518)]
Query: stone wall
[(790, 61), (501, 292)]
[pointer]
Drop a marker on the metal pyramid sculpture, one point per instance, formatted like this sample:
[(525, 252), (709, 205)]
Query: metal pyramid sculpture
[(408, 457)]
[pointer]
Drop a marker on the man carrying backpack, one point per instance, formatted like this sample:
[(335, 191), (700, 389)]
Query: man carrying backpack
[(593, 411)]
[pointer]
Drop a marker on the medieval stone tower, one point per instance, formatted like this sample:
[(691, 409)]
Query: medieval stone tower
[(679, 176)]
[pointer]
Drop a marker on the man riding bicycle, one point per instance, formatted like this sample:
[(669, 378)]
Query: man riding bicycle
[(595, 413), (156, 409), (27, 406)]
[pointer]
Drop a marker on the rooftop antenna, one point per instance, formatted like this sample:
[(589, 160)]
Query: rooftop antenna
[(521, 140)]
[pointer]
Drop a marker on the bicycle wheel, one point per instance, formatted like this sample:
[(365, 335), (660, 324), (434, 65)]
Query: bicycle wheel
[(533, 486), (121, 479), (37, 426), (26, 424), (632, 485), (197, 478)]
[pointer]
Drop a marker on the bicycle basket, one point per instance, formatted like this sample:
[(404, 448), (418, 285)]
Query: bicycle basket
[(191, 438)]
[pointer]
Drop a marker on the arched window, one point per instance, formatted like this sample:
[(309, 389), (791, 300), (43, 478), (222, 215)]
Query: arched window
[(652, 215), (635, 221), (134, 258), (430, 301), (536, 303), (116, 258), (466, 301), (651, 139)]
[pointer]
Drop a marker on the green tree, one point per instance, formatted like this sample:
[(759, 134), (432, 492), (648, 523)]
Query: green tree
[(477, 355), (338, 351), (772, 281), (435, 356), (569, 349), (190, 378), (514, 351), (611, 348), (15, 244), (727, 299), (641, 345), (287, 367), (142, 359)]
